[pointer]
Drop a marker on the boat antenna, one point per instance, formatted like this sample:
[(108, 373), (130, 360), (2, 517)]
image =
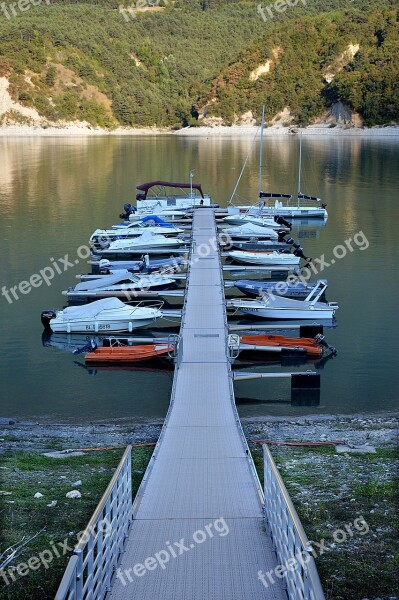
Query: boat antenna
[(299, 166), (260, 151), (243, 167)]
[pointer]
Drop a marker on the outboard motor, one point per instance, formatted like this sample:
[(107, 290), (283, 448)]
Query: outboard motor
[(281, 235), (282, 221), (89, 347), (320, 339), (103, 266), (46, 317), (299, 252), (129, 210), (290, 241)]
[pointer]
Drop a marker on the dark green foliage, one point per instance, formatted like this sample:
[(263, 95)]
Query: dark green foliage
[(50, 76), (163, 67)]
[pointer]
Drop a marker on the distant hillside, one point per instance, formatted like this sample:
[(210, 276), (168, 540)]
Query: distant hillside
[(190, 62), (302, 68)]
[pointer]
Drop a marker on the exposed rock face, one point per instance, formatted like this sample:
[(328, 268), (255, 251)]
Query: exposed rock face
[(9, 107), (341, 62), (341, 114)]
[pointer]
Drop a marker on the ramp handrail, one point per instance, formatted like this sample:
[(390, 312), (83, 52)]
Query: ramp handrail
[(95, 558), (289, 538)]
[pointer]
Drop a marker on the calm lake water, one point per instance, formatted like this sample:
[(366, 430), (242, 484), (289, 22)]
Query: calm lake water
[(55, 192)]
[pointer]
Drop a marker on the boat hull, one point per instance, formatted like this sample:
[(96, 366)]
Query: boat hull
[(287, 313), (264, 258), (293, 212), (253, 289), (127, 354), (100, 325), (309, 345)]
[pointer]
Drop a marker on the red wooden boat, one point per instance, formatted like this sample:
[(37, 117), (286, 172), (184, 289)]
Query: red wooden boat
[(312, 346), (127, 354)]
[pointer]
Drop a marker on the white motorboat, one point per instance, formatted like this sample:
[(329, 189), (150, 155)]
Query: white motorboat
[(264, 258), (121, 283), (278, 307), (108, 315), (152, 199), (144, 243), (249, 230), (132, 229), (256, 219)]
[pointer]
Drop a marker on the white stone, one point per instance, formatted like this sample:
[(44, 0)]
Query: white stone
[(38, 495), (73, 494)]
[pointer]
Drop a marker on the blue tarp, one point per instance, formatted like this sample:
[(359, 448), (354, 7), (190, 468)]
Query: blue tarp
[(156, 220)]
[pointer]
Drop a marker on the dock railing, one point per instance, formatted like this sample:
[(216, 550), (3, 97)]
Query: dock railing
[(292, 546), (91, 568)]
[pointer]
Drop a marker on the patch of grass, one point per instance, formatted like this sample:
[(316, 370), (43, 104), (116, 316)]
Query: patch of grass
[(330, 492), (25, 473)]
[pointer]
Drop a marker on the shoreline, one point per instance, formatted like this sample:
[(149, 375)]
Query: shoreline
[(39, 436), (221, 131)]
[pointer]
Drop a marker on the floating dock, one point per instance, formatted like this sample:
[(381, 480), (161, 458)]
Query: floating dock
[(201, 470)]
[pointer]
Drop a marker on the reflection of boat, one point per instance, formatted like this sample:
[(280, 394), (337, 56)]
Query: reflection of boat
[(277, 307), (120, 354), (107, 315), (159, 365), (288, 289), (68, 342), (76, 343), (264, 258), (119, 284)]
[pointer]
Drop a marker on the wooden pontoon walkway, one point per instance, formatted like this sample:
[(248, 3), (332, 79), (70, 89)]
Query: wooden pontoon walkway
[(201, 474)]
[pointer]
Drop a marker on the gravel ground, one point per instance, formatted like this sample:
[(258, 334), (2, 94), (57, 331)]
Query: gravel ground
[(359, 429)]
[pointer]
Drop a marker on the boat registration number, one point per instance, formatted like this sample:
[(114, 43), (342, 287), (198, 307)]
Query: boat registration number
[(92, 327)]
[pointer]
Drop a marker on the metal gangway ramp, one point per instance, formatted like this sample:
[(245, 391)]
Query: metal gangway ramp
[(201, 473)]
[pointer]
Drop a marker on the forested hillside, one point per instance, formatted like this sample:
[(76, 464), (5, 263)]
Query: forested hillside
[(91, 61)]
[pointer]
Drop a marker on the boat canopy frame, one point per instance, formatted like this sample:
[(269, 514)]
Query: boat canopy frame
[(145, 187)]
